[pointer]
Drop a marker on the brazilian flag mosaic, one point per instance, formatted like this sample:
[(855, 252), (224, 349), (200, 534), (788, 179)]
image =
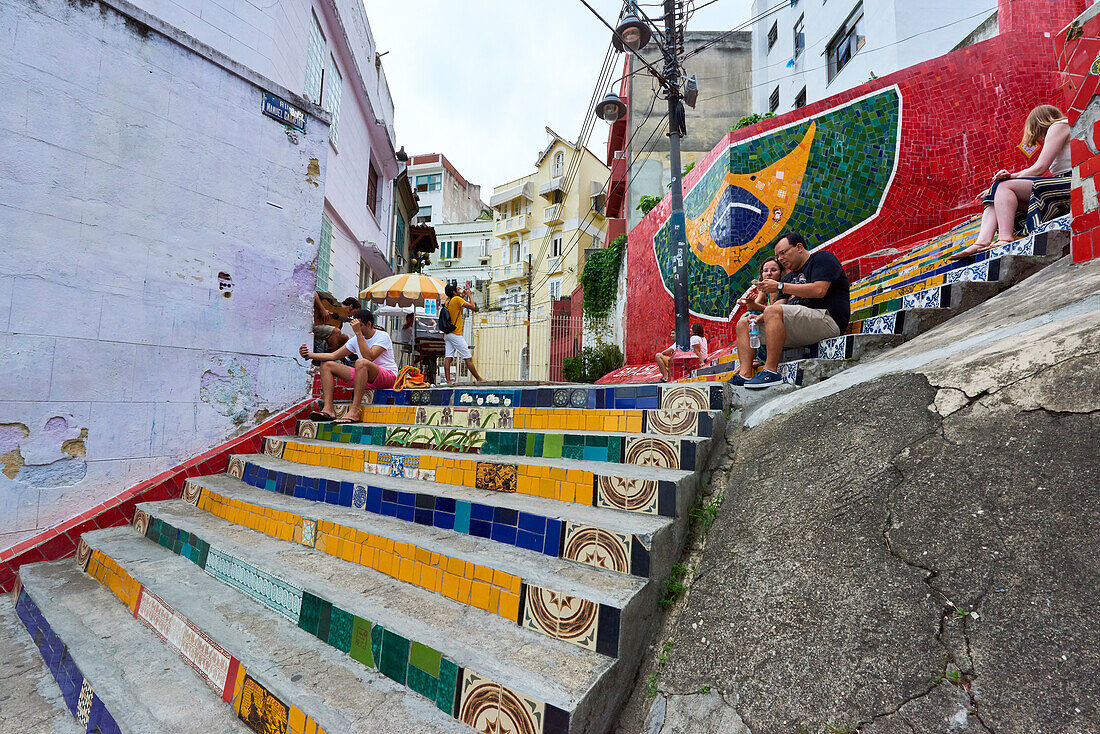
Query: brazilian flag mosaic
[(822, 177)]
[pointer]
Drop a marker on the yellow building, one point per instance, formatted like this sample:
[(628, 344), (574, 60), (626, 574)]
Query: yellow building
[(543, 223)]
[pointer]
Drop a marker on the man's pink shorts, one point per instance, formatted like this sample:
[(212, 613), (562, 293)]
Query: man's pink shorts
[(384, 380)]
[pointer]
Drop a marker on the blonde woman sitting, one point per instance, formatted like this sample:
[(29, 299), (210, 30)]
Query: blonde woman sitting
[(1008, 202)]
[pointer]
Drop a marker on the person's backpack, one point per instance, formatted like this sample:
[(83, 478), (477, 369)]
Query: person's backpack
[(445, 324)]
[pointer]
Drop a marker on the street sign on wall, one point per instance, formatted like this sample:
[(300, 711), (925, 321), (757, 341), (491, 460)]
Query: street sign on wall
[(286, 113)]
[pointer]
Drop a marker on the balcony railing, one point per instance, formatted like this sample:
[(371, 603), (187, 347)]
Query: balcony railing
[(553, 214), (513, 225), (508, 273)]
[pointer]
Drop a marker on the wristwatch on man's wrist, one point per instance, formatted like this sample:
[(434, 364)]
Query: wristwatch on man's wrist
[(780, 286)]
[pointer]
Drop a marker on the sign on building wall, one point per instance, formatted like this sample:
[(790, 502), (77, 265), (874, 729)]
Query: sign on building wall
[(286, 113)]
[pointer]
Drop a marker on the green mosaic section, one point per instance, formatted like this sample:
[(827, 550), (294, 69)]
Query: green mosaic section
[(851, 161), (554, 446), (416, 665)]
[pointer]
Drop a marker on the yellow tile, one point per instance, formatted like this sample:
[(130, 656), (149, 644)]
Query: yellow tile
[(297, 720), (574, 476), (384, 563), (464, 591), (494, 599), (558, 473), (430, 577), (566, 492), (422, 555), (509, 607), (311, 727), (238, 686), (483, 573), (584, 493), (406, 572), (450, 586), (502, 579), (456, 566), (479, 595), (515, 585)]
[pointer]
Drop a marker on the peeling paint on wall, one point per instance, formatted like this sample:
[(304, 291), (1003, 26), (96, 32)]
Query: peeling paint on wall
[(50, 458), (228, 385), (313, 172)]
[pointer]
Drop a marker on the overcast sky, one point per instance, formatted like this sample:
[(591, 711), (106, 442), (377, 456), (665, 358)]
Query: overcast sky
[(479, 80)]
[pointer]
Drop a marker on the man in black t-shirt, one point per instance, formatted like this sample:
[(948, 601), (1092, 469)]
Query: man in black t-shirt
[(812, 303)]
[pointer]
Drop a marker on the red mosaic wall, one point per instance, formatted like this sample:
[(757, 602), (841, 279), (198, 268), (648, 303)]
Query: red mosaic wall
[(961, 121), (60, 541), (1078, 48)]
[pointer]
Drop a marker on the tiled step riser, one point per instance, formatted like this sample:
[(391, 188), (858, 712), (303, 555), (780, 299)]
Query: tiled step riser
[(77, 691), (620, 397), (481, 586), (607, 489), (408, 662), (627, 553), (532, 444), (683, 423)]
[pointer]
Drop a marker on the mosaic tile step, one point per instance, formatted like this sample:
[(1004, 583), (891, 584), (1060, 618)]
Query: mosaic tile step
[(648, 488), (619, 397), (618, 541), (683, 422), (845, 346), (357, 614), (278, 676), (32, 695), (468, 570), (908, 322), (611, 447), (111, 668)]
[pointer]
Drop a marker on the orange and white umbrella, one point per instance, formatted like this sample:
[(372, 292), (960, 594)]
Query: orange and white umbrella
[(404, 289)]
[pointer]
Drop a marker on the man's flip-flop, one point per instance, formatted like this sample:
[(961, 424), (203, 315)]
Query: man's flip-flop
[(321, 417)]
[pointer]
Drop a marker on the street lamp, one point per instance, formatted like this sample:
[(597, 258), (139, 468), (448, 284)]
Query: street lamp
[(611, 108), (633, 32)]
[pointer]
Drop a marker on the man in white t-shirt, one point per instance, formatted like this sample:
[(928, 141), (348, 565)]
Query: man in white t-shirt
[(375, 367)]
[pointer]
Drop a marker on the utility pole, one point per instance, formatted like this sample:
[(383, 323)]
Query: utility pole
[(677, 221), (528, 315)]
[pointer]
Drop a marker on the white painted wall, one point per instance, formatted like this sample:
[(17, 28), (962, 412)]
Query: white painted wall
[(899, 33), (135, 171), (272, 38)]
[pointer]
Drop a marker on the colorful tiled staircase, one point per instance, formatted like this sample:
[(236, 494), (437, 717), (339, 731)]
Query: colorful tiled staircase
[(913, 293), (485, 559)]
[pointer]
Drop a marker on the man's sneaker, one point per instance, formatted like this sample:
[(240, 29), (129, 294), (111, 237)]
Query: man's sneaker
[(764, 378), (738, 380)]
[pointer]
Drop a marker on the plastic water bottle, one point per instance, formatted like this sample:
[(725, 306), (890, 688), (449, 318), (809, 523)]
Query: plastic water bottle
[(754, 333)]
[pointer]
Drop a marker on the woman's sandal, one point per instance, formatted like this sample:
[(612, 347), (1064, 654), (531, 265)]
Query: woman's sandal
[(976, 249), (321, 417), (346, 420)]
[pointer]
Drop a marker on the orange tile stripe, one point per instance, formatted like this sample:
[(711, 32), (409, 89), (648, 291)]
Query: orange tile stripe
[(109, 574), (557, 483), (468, 583)]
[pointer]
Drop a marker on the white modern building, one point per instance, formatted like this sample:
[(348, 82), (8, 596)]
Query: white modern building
[(464, 256), (446, 197), (807, 50)]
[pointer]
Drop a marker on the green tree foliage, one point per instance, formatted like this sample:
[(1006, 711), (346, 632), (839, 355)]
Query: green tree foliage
[(592, 363), (751, 120), (646, 202), (600, 279)]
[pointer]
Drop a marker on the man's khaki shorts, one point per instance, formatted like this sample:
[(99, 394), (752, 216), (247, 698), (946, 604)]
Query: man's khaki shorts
[(323, 330), (807, 325)]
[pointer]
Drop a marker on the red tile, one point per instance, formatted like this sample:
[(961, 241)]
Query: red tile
[(1077, 201), (1086, 92), (1089, 168), (1079, 151), (1086, 221), (1081, 247)]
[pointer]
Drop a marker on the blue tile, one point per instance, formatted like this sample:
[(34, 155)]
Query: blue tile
[(346, 491), (530, 541), (444, 520), (481, 512), (552, 546), (505, 516), (480, 528), (646, 391), (532, 523), (504, 533), (423, 517), (389, 509), (462, 517), (406, 498), (647, 403), (389, 495), (445, 504), (406, 513), (528, 399), (374, 499)]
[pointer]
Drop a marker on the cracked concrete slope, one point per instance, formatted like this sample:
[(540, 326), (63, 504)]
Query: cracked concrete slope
[(913, 552)]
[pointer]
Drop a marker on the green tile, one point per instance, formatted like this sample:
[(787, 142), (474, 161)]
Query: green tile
[(361, 642), (324, 618), (596, 441), (339, 629), (395, 656), (311, 613), (540, 444), (422, 683), (572, 452), (572, 440), (447, 686), (530, 450), (425, 658), (376, 643)]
